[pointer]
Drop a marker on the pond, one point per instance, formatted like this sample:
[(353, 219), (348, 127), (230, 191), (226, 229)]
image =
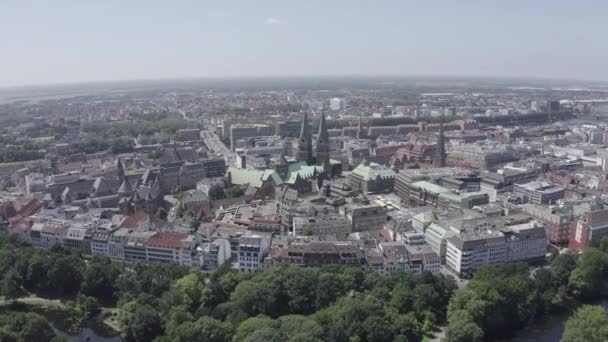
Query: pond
[(87, 335), (89, 331), (550, 329), (67, 324)]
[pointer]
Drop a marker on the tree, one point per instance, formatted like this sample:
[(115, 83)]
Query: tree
[(293, 325), (604, 244), (263, 296), (36, 279), (563, 265), (588, 324), (407, 327), (99, 278), (178, 315), (64, 276), (90, 307), (426, 298), (35, 328), (252, 324), (140, 322), (344, 319), (121, 145), (376, 330), (266, 335), (191, 286), (204, 329), (301, 286), (402, 298), (305, 337), (462, 328), (213, 330), (329, 288), (586, 279), (428, 327), (11, 285)]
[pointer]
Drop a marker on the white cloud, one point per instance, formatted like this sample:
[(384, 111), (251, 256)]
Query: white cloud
[(272, 21)]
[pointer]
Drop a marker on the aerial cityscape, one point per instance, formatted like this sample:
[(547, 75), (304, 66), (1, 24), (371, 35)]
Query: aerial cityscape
[(362, 205)]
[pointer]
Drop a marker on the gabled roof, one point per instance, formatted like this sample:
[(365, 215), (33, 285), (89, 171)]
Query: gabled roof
[(302, 169), (125, 187), (272, 174), (101, 187)]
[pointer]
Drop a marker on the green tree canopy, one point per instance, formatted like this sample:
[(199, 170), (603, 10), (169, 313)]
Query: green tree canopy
[(588, 324)]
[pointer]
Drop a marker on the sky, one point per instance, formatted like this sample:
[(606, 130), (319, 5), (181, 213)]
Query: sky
[(63, 41)]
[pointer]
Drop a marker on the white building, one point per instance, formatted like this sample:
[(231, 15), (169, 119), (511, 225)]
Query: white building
[(437, 236), (215, 253), (170, 247), (252, 250), (393, 256), (337, 104), (471, 250), (526, 242)]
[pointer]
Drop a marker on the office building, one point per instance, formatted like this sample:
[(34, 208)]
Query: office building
[(337, 104)]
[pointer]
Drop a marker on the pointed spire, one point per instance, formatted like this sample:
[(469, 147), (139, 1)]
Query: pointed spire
[(360, 128), (282, 167), (440, 155), (323, 144), (120, 169), (125, 187), (304, 130), (305, 143), (282, 159), (323, 135)]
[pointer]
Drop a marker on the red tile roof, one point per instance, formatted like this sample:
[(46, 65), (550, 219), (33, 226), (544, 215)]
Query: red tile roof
[(167, 240)]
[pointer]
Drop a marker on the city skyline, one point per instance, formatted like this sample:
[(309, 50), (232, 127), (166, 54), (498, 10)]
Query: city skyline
[(67, 41)]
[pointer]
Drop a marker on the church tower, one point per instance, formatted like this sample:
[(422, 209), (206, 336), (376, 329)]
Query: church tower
[(282, 167), (323, 145), (360, 128), (120, 169), (304, 152), (440, 155)]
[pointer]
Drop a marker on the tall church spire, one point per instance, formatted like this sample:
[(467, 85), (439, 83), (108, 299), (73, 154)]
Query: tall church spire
[(360, 128), (120, 169), (304, 152), (323, 144), (440, 155), (282, 167)]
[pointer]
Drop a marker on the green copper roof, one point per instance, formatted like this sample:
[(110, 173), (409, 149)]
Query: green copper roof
[(243, 176), (256, 178), (373, 171), (301, 168), (431, 187)]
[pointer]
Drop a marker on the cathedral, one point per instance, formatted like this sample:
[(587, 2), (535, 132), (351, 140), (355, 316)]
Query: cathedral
[(323, 145), (304, 152), (439, 159)]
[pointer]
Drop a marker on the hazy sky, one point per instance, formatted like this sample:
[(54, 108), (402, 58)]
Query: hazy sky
[(51, 41)]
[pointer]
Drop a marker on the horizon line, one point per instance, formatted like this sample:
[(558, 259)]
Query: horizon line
[(307, 77)]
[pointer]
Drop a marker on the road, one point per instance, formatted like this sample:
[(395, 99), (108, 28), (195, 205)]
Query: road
[(215, 145), (186, 117)]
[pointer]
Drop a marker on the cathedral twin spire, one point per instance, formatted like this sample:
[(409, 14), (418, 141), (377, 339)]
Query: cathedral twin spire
[(323, 144), (439, 159), (304, 152), (305, 147)]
